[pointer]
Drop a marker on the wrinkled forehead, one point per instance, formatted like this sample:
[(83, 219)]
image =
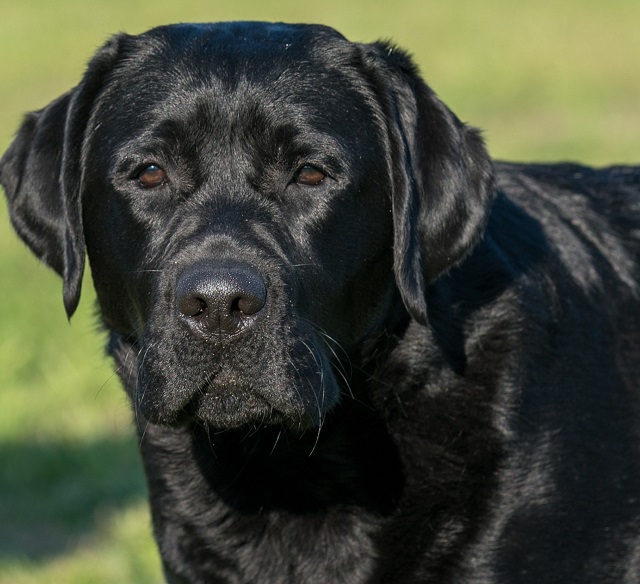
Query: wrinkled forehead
[(228, 72)]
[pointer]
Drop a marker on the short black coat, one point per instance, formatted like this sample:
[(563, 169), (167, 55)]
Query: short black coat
[(442, 385)]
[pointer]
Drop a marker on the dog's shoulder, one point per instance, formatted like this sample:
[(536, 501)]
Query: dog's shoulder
[(574, 191), (588, 219)]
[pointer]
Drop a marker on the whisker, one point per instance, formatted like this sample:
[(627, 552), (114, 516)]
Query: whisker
[(276, 442), (320, 424), (319, 366), (319, 402), (144, 432), (327, 337), (207, 429), (295, 387), (136, 401), (340, 369), (338, 364)]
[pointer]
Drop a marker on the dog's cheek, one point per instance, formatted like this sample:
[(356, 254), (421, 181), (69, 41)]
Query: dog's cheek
[(354, 289), (116, 247), (166, 375)]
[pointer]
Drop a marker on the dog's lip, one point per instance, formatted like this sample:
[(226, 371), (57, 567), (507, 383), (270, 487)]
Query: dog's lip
[(253, 408), (259, 409)]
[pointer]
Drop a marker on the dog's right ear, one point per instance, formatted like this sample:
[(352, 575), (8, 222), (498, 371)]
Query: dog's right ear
[(41, 175)]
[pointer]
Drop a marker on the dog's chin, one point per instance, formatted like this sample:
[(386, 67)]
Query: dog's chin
[(226, 397), (217, 420), (230, 412), (253, 411)]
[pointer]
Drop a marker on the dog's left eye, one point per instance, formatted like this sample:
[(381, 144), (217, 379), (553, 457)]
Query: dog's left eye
[(152, 176), (309, 175)]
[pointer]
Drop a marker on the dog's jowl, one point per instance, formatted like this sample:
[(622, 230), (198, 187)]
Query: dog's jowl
[(357, 350)]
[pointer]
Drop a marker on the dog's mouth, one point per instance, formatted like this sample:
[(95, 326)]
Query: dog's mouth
[(229, 403), (222, 408), (263, 384), (225, 407)]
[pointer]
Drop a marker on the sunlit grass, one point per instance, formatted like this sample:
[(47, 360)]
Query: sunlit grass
[(119, 549)]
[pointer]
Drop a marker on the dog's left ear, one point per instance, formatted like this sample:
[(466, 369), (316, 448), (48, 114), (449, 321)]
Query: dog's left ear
[(442, 176), (41, 175)]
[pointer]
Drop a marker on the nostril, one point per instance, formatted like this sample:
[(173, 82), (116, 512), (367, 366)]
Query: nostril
[(220, 299), (248, 304), (191, 306)]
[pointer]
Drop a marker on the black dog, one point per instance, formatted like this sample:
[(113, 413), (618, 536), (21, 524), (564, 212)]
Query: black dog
[(356, 350)]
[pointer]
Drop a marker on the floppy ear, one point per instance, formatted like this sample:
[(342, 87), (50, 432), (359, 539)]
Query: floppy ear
[(442, 177), (41, 175)]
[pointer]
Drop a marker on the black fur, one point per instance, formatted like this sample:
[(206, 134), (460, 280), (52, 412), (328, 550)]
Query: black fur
[(441, 383)]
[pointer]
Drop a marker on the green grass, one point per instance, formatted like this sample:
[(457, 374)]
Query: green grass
[(544, 80)]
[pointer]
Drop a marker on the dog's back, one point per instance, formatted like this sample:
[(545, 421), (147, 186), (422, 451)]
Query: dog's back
[(564, 240)]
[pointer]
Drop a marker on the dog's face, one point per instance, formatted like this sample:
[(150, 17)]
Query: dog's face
[(253, 199), (247, 192)]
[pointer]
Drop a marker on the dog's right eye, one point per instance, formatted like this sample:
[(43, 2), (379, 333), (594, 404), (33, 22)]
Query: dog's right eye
[(309, 176), (151, 176)]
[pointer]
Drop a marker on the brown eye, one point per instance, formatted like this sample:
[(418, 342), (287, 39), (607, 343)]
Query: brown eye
[(152, 176), (309, 176)]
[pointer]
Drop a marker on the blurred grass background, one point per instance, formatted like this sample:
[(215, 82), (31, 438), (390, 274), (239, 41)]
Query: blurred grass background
[(544, 79)]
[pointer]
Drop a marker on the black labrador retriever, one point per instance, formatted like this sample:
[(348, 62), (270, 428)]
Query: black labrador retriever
[(357, 351)]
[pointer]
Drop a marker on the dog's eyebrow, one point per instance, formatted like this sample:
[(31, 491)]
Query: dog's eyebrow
[(285, 137)]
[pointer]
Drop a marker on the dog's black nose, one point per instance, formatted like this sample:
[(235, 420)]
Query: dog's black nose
[(220, 299)]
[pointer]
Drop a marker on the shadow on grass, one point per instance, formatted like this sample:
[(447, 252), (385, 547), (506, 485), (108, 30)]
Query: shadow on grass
[(53, 494)]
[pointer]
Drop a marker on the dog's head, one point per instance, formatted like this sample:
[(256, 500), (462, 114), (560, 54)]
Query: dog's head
[(252, 198)]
